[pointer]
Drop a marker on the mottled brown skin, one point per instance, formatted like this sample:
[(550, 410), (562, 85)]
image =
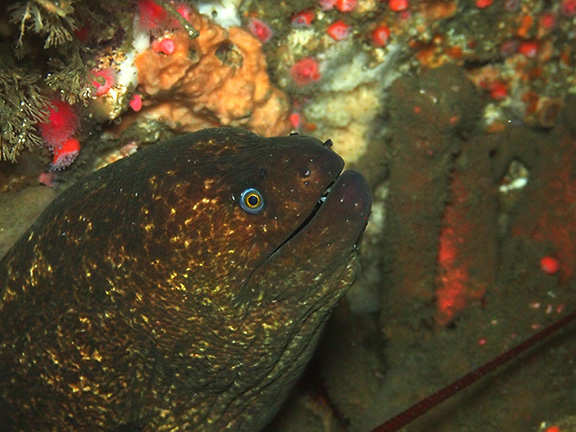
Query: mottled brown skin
[(146, 298)]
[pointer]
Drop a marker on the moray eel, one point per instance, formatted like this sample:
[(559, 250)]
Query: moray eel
[(182, 288)]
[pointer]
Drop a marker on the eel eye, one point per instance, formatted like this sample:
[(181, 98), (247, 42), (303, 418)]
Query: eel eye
[(251, 201)]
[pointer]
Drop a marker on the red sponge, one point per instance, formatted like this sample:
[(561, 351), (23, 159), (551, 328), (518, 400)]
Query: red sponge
[(152, 15), (65, 154), (61, 125)]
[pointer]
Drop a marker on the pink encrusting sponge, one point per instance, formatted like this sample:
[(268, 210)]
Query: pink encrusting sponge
[(103, 82)]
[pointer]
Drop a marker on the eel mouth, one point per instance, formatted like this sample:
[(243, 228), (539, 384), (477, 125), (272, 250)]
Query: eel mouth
[(316, 208), (342, 209)]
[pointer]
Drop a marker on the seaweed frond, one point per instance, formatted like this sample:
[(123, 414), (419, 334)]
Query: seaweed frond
[(22, 106), (53, 20), (71, 80)]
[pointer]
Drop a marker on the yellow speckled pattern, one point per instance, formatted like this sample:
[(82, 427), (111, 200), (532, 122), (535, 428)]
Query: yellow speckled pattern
[(145, 298)]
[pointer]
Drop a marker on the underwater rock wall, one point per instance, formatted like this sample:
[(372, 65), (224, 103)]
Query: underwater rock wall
[(460, 113)]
